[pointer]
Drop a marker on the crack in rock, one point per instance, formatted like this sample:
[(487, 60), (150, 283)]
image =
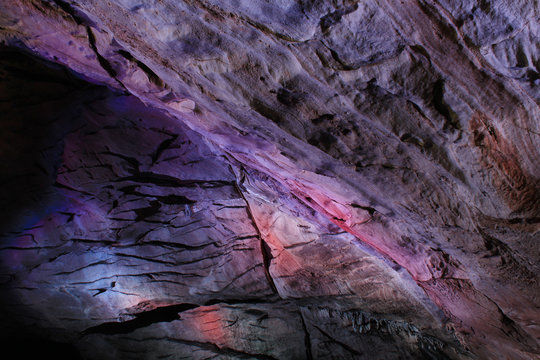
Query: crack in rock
[(143, 319)]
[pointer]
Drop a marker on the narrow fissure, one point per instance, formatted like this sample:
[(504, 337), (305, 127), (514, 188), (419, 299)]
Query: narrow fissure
[(105, 64), (162, 314), (307, 337), (265, 249)]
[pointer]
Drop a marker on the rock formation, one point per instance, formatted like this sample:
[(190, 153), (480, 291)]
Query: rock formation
[(270, 179)]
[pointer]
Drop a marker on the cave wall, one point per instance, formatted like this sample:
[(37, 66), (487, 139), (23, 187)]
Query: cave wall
[(271, 180)]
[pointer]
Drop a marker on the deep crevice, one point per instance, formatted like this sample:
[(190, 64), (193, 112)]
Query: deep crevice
[(143, 319), (443, 108), (369, 209), (104, 63), (164, 145), (170, 181), (265, 249), (307, 337)]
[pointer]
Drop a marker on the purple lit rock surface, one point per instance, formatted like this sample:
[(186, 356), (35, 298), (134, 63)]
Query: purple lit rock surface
[(270, 180)]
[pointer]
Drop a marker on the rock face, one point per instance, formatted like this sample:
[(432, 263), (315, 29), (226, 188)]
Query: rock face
[(270, 180)]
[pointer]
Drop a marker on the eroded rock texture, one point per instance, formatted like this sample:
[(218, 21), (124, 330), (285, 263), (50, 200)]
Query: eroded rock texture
[(270, 180)]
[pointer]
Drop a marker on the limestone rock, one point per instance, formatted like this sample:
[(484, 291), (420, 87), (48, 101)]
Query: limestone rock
[(256, 179)]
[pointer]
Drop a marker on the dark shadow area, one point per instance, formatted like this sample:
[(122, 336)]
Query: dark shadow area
[(39, 106), (30, 347)]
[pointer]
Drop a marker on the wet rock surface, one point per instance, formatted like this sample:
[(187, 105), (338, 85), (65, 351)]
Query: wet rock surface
[(195, 179)]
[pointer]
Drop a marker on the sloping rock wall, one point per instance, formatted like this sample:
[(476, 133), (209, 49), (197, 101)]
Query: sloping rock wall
[(272, 180)]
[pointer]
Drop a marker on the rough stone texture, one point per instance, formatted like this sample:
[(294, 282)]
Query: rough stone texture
[(256, 179)]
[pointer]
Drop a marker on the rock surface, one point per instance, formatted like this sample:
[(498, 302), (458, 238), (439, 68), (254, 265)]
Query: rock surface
[(272, 180)]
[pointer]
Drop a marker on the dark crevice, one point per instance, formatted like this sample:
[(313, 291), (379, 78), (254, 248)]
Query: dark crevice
[(102, 61), (307, 337), (323, 119), (324, 140), (93, 241), (287, 97), (105, 64), (343, 64), (443, 108), (143, 213), (531, 220), (177, 245), (265, 249), (175, 200), (419, 49), (143, 319), (170, 181), (369, 209), (411, 139), (164, 145)]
